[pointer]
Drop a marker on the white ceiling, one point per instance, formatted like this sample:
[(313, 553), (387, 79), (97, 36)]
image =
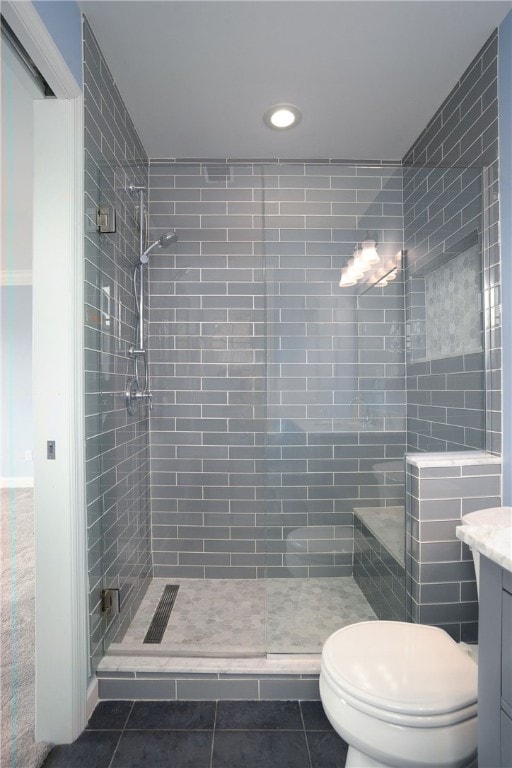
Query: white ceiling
[(198, 75)]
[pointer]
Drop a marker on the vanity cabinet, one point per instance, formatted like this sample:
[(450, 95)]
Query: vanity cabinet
[(495, 666)]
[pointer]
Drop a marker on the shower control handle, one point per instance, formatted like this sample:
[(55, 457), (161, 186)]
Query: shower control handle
[(134, 394), (134, 352)]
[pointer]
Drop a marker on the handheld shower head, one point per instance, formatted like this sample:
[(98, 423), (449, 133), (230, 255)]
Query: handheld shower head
[(165, 239), (168, 237)]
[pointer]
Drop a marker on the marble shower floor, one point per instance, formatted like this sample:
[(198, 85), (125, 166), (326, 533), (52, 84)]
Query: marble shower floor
[(226, 617)]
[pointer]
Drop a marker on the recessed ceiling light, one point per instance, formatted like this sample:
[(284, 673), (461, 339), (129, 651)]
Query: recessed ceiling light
[(282, 116)]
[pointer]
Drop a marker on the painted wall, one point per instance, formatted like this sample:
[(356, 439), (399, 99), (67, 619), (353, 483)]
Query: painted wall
[(451, 200), (117, 457), (63, 20), (16, 383), (278, 396), (505, 193), (18, 94)]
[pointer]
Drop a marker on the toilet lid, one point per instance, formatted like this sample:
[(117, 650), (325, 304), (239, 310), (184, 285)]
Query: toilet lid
[(407, 668)]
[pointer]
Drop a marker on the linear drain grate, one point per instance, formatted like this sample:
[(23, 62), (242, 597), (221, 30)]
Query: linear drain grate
[(161, 617)]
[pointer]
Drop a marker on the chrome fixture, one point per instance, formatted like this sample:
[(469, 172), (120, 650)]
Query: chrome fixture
[(106, 219), (282, 116), (135, 392), (111, 601), (134, 188), (168, 237)]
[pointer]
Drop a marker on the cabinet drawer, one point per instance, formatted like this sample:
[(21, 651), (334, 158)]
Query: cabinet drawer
[(506, 649)]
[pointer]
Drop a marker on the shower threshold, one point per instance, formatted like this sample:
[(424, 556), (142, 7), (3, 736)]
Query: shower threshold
[(154, 650), (232, 639)]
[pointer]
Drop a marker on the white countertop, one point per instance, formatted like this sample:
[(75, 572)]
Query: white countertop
[(492, 541)]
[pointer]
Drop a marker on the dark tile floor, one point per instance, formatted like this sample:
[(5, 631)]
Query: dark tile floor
[(204, 734)]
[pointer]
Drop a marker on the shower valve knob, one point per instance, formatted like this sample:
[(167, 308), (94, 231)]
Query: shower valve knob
[(134, 352)]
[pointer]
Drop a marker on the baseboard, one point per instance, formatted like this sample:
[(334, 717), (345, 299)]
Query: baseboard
[(16, 482), (92, 698)]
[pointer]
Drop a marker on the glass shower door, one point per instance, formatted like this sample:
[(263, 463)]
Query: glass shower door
[(335, 435), (117, 443)]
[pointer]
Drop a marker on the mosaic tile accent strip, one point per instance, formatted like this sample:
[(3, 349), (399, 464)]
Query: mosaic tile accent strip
[(453, 307)]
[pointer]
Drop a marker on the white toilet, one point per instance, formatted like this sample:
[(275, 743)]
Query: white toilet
[(401, 695)]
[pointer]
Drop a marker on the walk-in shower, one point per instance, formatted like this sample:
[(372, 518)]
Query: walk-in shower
[(273, 469), (258, 455), (267, 482), (138, 390)]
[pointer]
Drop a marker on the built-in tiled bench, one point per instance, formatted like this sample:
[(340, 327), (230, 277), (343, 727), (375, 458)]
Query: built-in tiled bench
[(379, 569)]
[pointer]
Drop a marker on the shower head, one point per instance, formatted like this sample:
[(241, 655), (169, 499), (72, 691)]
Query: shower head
[(165, 239)]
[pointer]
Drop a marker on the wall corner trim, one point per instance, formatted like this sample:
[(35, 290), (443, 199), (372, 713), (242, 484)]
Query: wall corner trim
[(27, 24)]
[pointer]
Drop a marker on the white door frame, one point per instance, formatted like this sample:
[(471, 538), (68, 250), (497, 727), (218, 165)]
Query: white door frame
[(62, 658)]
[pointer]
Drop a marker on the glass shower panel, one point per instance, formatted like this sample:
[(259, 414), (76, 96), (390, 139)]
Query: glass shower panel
[(445, 308), (206, 341), (335, 436), (117, 443)]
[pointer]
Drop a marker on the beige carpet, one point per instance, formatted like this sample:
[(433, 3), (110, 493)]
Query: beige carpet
[(17, 748)]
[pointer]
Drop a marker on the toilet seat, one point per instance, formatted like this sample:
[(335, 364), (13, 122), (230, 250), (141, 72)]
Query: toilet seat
[(401, 673), (400, 718), (401, 695)]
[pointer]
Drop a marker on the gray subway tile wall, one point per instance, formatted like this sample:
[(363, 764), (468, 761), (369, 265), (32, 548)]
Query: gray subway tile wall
[(279, 397), (188, 686), (379, 574), (117, 445), (451, 201)]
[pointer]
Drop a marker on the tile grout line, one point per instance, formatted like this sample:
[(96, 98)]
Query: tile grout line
[(305, 733), (213, 733), (121, 736)]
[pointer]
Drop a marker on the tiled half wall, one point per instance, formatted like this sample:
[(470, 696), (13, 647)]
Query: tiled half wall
[(440, 580)]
